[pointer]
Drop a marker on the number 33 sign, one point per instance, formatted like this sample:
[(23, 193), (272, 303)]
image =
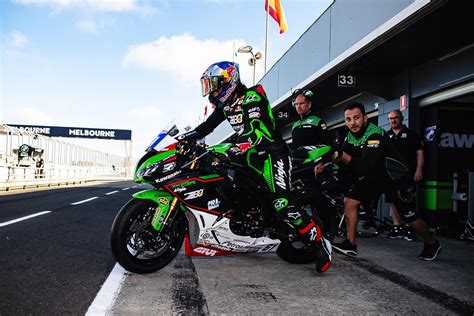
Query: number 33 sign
[(346, 80)]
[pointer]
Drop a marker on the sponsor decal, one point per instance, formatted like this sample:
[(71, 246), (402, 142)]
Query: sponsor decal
[(228, 93), (280, 175), (269, 247), (212, 204), (280, 203), (155, 217), (169, 166), (294, 215), (231, 245), (163, 201), (221, 247), (235, 119), (179, 189), (194, 194), (313, 233), (172, 175), (430, 133), (373, 143), (254, 115), (184, 184), (206, 236), (205, 251), (252, 98), (254, 109)]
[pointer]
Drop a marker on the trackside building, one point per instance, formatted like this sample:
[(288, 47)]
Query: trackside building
[(412, 55)]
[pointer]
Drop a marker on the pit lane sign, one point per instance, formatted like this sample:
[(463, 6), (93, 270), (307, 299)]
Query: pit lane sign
[(76, 132), (346, 81)]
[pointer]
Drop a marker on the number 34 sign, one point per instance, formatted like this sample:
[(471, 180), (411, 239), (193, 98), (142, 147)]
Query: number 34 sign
[(346, 80)]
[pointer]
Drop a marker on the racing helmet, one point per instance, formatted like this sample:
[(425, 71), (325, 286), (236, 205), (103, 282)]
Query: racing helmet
[(225, 75)]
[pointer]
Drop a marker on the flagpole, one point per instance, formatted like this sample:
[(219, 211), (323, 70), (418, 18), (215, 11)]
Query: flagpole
[(266, 39)]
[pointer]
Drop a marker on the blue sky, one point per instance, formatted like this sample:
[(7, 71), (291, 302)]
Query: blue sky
[(128, 64)]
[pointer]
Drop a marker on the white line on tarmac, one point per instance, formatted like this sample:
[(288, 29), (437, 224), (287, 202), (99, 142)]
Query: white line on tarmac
[(111, 193), (107, 295), (13, 221), (84, 201), (125, 189)]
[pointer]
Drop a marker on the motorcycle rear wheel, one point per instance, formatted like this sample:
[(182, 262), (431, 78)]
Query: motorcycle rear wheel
[(137, 246)]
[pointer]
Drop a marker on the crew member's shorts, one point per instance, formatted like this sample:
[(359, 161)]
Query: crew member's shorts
[(366, 190), (369, 190)]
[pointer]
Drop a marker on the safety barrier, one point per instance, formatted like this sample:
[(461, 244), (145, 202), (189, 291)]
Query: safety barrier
[(17, 177)]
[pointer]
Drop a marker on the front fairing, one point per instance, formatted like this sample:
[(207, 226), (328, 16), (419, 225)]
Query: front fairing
[(160, 160)]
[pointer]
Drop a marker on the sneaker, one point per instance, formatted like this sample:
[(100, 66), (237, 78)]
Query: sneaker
[(410, 234), (396, 232), (323, 255), (346, 248), (430, 252)]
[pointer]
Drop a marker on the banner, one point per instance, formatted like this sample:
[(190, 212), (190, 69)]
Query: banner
[(76, 132)]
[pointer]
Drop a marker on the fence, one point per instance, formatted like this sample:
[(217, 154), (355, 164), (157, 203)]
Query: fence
[(63, 162)]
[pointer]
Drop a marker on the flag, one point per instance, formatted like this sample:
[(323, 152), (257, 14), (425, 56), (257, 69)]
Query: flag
[(274, 8)]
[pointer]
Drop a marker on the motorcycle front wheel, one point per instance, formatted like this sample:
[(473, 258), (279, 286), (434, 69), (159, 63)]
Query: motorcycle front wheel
[(137, 246)]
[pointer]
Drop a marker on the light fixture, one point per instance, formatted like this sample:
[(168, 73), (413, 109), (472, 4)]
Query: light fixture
[(253, 59)]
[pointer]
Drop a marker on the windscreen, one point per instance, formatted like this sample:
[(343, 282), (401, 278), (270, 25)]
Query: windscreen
[(169, 134)]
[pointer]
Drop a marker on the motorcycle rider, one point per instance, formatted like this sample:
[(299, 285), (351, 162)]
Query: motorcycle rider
[(249, 113)]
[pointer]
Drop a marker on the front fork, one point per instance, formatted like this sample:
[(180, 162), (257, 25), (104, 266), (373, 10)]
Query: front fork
[(165, 209)]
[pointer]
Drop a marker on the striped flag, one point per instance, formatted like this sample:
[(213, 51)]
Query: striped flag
[(274, 8)]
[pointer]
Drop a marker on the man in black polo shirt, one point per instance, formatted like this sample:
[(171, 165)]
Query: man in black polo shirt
[(410, 147)]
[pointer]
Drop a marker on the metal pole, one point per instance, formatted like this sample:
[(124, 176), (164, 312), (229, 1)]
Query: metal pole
[(254, 63), (266, 42)]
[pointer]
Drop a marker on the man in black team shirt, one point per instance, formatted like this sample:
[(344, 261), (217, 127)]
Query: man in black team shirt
[(364, 151), (408, 143), (310, 129)]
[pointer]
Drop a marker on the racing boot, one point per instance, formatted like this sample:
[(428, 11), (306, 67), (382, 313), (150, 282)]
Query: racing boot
[(312, 234)]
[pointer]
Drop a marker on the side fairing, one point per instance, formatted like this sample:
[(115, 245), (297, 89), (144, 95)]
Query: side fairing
[(200, 192)]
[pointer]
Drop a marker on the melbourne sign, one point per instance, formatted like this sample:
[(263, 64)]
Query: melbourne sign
[(77, 132)]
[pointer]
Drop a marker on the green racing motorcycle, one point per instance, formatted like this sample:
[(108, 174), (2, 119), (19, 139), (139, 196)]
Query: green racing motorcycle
[(201, 197)]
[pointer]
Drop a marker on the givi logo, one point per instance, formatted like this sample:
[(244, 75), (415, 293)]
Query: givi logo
[(205, 251)]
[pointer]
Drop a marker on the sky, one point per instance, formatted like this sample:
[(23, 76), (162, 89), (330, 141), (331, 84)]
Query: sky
[(129, 64)]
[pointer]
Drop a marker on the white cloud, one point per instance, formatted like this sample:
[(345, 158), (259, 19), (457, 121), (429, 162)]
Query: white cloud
[(18, 39), (30, 115), (92, 5), (145, 113), (94, 26), (89, 26), (185, 57)]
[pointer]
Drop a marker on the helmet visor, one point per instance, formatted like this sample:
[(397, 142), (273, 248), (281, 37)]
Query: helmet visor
[(209, 84)]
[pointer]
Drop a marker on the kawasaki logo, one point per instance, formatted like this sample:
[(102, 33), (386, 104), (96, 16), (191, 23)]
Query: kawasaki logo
[(456, 140)]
